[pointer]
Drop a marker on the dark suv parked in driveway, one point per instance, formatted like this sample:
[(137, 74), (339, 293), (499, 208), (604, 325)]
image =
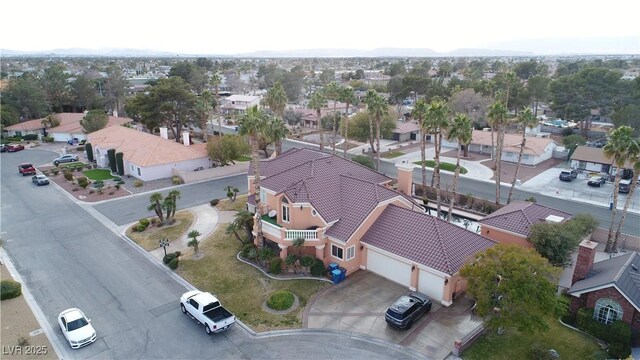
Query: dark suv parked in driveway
[(407, 309), (568, 175)]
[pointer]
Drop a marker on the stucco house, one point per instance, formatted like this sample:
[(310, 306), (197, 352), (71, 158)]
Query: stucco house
[(238, 104), (512, 223), (593, 159), (536, 149), (146, 156), (406, 131), (350, 215), (68, 129), (611, 287)]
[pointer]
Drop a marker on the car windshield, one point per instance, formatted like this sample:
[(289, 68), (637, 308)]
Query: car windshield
[(26, 166), (77, 324)]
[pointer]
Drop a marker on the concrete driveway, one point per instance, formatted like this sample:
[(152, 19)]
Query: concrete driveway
[(358, 305)]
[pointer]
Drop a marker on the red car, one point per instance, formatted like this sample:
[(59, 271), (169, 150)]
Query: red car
[(26, 169), (14, 148)]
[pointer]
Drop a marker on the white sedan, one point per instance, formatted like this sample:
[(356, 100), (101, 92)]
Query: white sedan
[(76, 328)]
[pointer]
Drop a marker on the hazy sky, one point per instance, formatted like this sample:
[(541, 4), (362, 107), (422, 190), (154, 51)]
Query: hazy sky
[(239, 26)]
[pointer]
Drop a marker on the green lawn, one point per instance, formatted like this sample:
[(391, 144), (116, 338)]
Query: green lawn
[(240, 287), (270, 220), (569, 343), (443, 166), (391, 154), (243, 158), (98, 174)]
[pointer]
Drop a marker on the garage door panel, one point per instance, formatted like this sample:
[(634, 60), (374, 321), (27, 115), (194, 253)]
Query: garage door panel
[(431, 285), (389, 267)]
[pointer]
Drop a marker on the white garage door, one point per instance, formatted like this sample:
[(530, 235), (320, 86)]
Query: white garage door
[(430, 284), (389, 267)]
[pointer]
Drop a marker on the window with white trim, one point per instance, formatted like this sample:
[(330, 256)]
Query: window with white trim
[(263, 196), (351, 252), (138, 171), (337, 252), (285, 210), (607, 311)]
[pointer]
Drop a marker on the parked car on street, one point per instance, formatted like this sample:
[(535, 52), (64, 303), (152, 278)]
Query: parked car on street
[(625, 186), (76, 328), (14, 147), (40, 180), (26, 169), (407, 309), (206, 309), (65, 159), (568, 175), (596, 181), (3, 147)]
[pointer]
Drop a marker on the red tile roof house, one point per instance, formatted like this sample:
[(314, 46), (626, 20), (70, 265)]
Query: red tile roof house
[(611, 287), (512, 223), (536, 149), (68, 129), (348, 214), (146, 156)]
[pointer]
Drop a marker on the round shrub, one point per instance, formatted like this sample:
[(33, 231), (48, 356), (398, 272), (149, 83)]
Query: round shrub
[(173, 264), (318, 269), (307, 260), (83, 182), (10, 289), (117, 186), (618, 350), (252, 254), (275, 265), (177, 253), (176, 180), (291, 259), (68, 175), (144, 221), (214, 202), (246, 248), (280, 300), (138, 183), (47, 139), (167, 258)]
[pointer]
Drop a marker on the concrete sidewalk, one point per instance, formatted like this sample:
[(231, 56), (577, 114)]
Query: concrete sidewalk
[(476, 170)]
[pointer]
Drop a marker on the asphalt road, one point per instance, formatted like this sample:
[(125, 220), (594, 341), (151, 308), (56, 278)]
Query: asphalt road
[(67, 258)]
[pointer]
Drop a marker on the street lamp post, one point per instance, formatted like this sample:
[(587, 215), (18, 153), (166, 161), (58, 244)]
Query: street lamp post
[(164, 243)]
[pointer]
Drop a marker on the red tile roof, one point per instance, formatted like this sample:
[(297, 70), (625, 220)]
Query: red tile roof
[(424, 239), (69, 123), (519, 216)]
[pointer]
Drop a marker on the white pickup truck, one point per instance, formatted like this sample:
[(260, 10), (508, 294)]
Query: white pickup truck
[(206, 309)]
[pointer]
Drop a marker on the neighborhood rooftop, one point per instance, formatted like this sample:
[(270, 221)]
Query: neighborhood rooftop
[(69, 123), (519, 216)]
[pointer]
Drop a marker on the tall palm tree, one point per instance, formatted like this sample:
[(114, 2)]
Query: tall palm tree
[(497, 117), (634, 156), (347, 96), (170, 204), (332, 91), (215, 80), (276, 100), (526, 119), (377, 107), (460, 130), (252, 124), (437, 119), (203, 111), (156, 205), (318, 102), (419, 112), (276, 130), (617, 149)]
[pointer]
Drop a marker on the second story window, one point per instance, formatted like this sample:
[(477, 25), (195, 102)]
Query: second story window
[(285, 210)]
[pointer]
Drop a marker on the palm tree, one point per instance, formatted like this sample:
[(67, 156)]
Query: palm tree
[(497, 118), (461, 130), (526, 119), (244, 220), (276, 99), (203, 109), (215, 80), (419, 112), (347, 96), (332, 91), (634, 156), (377, 107), (317, 102), (193, 235), (156, 205), (437, 119), (276, 130), (617, 149), (170, 204), (252, 124)]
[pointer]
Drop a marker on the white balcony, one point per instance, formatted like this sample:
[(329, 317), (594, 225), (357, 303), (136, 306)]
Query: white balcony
[(304, 234)]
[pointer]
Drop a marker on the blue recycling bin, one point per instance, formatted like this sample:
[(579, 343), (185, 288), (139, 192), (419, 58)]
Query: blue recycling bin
[(333, 266), (336, 276), (343, 273)]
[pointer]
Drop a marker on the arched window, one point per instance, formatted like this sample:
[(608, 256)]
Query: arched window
[(285, 209), (607, 311)]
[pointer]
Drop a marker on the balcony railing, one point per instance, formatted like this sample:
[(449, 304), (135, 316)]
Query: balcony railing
[(271, 229), (304, 234)]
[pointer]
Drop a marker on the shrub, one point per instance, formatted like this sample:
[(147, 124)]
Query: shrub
[(177, 253), (138, 183), (318, 269), (80, 148), (117, 186), (363, 160), (47, 139), (291, 259), (83, 182), (307, 260), (119, 163), (30, 137), (567, 132), (173, 264), (618, 332), (144, 221), (154, 221), (280, 300), (275, 266), (176, 180), (10, 289), (91, 191), (167, 258), (618, 350), (68, 175), (252, 254), (141, 228), (214, 202), (540, 352), (245, 249)]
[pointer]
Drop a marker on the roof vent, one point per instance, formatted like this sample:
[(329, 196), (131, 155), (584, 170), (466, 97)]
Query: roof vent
[(553, 219), (634, 267)]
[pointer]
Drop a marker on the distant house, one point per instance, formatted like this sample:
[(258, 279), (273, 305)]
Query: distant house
[(238, 104), (536, 149), (594, 159), (68, 129), (512, 223), (611, 287), (146, 156), (406, 131)]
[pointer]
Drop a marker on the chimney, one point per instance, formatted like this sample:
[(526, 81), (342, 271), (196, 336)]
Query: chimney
[(586, 254), (405, 177), (185, 138), (164, 132)]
